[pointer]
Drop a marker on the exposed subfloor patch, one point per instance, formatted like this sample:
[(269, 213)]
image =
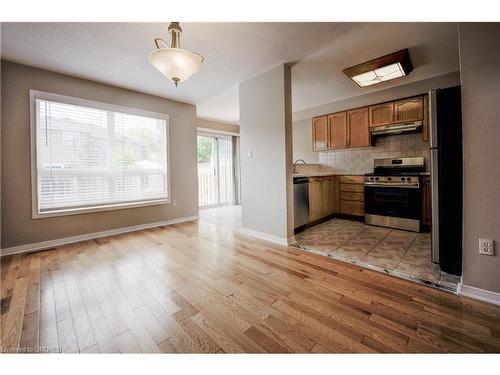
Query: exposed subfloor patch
[(396, 252)]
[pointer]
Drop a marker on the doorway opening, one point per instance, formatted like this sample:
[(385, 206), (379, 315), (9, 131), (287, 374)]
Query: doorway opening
[(218, 170)]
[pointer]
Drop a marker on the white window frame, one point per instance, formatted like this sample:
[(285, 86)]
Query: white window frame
[(36, 214)]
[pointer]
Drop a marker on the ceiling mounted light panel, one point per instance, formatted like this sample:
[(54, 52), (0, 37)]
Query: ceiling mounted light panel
[(381, 69)]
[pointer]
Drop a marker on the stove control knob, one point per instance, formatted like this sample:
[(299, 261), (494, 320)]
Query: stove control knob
[(408, 179), (402, 178), (389, 179), (371, 178), (376, 178)]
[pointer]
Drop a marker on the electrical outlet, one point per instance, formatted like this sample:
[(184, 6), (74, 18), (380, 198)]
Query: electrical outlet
[(486, 246)]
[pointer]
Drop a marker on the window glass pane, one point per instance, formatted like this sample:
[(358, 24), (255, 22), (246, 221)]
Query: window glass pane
[(92, 157)]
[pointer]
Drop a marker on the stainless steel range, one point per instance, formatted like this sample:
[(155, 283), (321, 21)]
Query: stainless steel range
[(393, 194)]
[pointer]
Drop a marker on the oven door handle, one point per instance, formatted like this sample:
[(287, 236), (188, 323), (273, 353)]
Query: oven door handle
[(404, 186)]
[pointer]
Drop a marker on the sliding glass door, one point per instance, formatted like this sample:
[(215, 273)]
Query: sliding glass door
[(215, 170)]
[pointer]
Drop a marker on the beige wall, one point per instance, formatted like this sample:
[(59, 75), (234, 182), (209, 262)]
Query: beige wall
[(480, 79), (208, 124), (302, 142), (18, 228), (266, 129)]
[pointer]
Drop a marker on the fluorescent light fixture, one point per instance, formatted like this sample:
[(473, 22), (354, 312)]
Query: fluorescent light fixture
[(381, 69)]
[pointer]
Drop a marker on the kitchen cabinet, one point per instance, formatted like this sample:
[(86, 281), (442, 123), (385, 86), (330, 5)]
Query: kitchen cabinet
[(426, 201), (407, 110), (352, 208), (350, 196), (337, 126), (315, 200), (323, 197), (358, 128), (352, 199), (425, 122), (349, 129), (382, 114), (359, 188), (320, 133)]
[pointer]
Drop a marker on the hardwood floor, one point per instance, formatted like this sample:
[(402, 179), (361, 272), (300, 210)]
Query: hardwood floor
[(199, 288)]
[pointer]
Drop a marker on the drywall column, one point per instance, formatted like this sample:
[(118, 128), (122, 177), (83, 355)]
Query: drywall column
[(266, 155), (480, 80)]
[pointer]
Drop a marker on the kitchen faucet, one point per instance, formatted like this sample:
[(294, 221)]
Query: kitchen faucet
[(295, 165)]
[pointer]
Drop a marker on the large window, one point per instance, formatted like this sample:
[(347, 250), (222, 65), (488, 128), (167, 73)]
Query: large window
[(90, 156)]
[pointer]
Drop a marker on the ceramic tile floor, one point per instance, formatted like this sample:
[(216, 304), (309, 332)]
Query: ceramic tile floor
[(401, 253)]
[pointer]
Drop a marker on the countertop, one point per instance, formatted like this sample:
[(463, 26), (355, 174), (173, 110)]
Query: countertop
[(321, 174)]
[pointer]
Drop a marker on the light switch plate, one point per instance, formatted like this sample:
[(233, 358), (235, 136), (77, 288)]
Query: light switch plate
[(486, 246)]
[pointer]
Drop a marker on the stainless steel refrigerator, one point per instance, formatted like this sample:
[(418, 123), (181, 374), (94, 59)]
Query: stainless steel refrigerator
[(446, 177)]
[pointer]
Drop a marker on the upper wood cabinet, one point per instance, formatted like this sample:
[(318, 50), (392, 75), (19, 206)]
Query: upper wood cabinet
[(320, 133), (358, 128), (350, 129), (337, 124), (410, 109), (382, 114), (425, 122)]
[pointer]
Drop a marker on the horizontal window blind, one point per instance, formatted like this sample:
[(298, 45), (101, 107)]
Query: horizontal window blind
[(91, 157)]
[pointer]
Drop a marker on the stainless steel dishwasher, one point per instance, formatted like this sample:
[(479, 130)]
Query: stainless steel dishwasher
[(300, 202)]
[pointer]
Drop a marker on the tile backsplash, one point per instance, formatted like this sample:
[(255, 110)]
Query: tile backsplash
[(360, 160)]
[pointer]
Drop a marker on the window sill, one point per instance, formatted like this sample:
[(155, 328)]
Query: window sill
[(85, 210)]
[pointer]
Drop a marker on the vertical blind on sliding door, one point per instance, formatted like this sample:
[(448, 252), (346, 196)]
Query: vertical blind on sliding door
[(93, 157)]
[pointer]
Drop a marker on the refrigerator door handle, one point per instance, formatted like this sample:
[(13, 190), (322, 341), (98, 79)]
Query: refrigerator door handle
[(433, 136), (435, 204)]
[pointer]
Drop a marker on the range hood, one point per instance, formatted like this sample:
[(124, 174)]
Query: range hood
[(407, 127)]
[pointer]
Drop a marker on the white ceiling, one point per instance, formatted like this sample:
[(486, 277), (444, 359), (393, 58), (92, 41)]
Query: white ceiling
[(116, 53), (318, 79)]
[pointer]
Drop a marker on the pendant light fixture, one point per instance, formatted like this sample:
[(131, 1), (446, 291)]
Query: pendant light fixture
[(173, 62)]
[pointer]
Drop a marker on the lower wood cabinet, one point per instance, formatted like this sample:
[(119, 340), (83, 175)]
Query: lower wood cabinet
[(351, 194), (352, 208), (323, 197)]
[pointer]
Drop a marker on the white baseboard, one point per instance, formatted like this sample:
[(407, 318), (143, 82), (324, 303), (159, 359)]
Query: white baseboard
[(264, 236), (480, 294), (89, 236)]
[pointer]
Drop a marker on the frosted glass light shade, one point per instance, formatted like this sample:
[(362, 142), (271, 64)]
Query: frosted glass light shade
[(176, 64), (394, 65), (385, 73)]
